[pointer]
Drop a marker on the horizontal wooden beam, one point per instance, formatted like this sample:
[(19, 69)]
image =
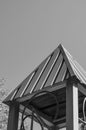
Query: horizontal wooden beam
[(52, 88)]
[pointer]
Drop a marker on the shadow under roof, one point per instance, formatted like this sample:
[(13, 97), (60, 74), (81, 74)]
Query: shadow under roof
[(56, 68)]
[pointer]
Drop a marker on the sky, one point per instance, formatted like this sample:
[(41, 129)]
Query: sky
[(31, 30)]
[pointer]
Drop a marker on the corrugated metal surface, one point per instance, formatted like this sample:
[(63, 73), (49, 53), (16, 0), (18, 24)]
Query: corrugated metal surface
[(58, 66)]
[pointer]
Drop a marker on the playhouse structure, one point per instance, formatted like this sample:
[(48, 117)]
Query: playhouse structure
[(53, 95)]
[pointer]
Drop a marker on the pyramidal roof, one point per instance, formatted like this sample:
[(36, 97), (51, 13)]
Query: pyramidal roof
[(57, 67)]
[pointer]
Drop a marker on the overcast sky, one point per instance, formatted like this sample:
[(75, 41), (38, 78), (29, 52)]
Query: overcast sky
[(30, 30)]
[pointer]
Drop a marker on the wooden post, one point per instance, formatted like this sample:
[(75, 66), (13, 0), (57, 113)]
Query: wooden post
[(71, 107), (13, 117)]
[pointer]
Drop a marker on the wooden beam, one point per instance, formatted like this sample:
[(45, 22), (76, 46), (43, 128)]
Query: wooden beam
[(52, 88), (71, 107), (13, 117)]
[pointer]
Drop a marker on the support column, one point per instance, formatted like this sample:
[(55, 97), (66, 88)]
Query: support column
[(71, 107), (13, 117)]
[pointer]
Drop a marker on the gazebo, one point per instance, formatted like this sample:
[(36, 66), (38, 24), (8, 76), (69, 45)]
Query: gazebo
[(53, 95)]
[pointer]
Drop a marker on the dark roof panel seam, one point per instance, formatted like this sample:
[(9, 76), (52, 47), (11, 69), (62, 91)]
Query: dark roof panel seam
[(27, 84), (64, 75), (40, 75), (34, 73), (58, 71), (50, 70)]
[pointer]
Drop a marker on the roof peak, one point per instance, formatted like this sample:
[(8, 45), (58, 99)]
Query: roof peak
[(57, 67)]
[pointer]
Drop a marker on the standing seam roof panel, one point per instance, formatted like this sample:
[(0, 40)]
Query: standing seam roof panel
[(55, 70), (37, 76), (47, 71)]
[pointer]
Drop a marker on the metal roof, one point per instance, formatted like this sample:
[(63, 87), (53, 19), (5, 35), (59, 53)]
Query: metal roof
[(57, 67)]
